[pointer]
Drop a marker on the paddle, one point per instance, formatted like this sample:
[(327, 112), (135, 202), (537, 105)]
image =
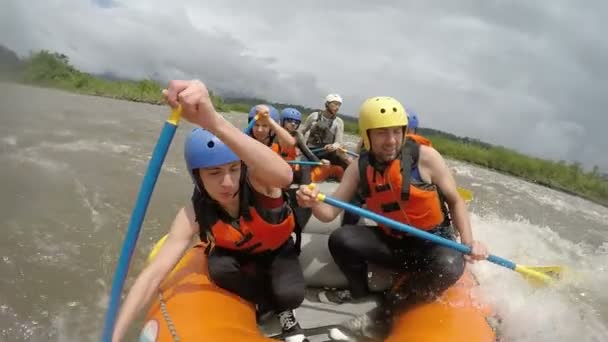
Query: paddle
[(137, 217), (304, 162), (466, 194), (535, 275), (321, 149), (356, 155), (249, 127)]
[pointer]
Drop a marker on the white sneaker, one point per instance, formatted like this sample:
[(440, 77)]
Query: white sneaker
[(292, 332)]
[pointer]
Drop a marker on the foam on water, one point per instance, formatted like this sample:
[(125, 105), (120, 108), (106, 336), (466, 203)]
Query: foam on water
[(13, 328), (561, 312), (90, 204), (38, 160), (87, 145), (554, 199)]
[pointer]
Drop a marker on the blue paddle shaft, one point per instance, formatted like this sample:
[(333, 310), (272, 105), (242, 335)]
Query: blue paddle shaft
[(413, 231), (303, 162), (250, 126), (352, 153), (137, 217)]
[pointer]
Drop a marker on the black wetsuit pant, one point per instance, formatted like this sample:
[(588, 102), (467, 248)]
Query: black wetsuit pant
[(273, 279), (429, 268)]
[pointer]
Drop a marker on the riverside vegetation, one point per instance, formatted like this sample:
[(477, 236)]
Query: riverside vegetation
[(50, 69)]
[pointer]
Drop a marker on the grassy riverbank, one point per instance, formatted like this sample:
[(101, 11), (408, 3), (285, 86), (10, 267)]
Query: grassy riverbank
[(50, 69)]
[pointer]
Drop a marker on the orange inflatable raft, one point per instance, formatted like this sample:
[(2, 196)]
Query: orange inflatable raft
[(189, 307), (457, 316)]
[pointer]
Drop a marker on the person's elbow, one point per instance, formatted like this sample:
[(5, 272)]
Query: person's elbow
[(324, 215), (283, 175)]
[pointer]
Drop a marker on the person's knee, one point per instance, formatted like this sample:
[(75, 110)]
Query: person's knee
[(350, 219), (289, 297), (448, 266), (223, 271), (340, 240)]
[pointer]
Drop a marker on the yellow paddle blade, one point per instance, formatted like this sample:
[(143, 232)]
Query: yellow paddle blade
[(540, 275), (156, 248), (467, 195)]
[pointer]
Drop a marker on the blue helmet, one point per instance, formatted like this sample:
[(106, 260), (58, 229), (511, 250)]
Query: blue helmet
[(290, 113), (412, 119), (274, 113), (202, 150)]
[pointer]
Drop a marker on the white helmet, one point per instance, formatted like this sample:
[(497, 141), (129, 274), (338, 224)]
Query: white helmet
[(333, 98)]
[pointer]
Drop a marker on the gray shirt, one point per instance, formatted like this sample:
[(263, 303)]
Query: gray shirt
[(337, 127)]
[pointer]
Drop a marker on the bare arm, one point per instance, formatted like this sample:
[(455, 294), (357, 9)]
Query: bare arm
[(339, 138), (263, 163), (147, 283), (197, 107), (442, 177), (345, 191), (305, 150), (285, 139)]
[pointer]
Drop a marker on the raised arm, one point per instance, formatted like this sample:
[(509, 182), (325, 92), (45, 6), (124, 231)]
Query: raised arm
[(262, 162)]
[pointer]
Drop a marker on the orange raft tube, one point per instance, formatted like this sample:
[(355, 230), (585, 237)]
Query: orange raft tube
[(456, 316), (188, 307)]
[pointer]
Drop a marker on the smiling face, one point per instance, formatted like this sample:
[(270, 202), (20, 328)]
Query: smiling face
[(261, 131), (386, 142), (222, 182)]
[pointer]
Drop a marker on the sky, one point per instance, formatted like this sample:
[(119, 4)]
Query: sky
[(529, 75)]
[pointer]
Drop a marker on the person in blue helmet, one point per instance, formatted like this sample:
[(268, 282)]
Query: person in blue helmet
[(238, 208), (267, 128), (290, 121), (412, 129)]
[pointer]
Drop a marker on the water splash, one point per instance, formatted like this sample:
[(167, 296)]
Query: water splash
[(554, 313)]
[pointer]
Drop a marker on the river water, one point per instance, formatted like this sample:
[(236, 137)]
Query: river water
[(71, 170)]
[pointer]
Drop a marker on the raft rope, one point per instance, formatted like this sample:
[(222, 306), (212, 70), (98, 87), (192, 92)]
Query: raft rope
[(163, 309)]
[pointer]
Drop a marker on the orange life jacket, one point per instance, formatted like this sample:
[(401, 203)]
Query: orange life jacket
[(250, 232), (419, 139), (319, 174), (394, 193), (275, 147), (289, 153)]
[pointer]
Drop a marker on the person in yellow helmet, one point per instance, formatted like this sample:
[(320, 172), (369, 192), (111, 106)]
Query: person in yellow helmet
[(407, 182)]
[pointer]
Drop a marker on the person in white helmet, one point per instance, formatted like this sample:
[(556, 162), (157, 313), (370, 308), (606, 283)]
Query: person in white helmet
[(326, 130)]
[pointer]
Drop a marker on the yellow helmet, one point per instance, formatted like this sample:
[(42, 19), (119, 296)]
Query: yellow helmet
[(380, 112)]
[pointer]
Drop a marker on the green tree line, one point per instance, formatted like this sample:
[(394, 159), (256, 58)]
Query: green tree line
[(51, 69)]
